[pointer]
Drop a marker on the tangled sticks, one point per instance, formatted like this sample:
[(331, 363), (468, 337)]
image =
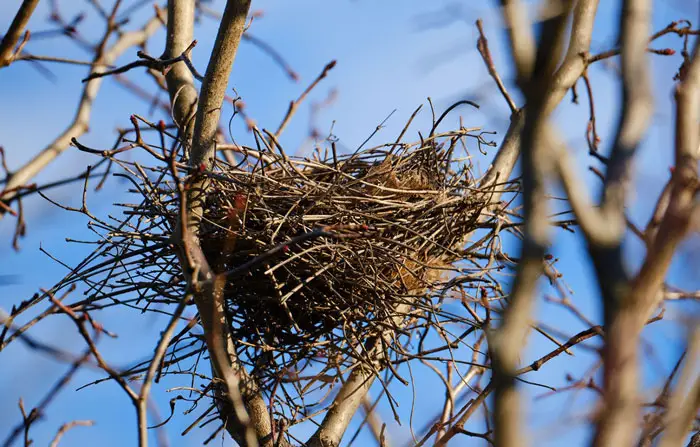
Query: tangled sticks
[(319, 255), (398, 221)]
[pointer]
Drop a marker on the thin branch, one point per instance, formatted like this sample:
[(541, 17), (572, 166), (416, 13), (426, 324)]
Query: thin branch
[(161, 65), (158, 355), (81, 121), (61, 60), (685, 402), (295, 104), (483, 46), (67, 426)]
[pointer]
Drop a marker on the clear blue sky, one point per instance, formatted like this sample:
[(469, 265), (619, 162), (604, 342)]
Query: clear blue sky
[(391, 55)]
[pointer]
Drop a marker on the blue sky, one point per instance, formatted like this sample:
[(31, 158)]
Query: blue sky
[(391, 55)]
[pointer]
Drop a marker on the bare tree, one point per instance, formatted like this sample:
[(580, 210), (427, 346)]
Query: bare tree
[(316, 279)]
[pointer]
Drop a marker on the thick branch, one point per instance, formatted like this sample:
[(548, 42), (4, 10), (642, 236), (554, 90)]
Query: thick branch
[(543, 87), (573, 66), (623, 318), (247, 418), (522, 39), (13, 34), (506, 157), (353, 391), (183, 95), (216, 81)]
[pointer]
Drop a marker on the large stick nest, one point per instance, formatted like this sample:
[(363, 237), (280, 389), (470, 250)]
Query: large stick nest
[(326, 260), (377, 229)]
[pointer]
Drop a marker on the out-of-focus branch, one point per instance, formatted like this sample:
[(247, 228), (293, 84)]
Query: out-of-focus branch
[(623, 318), (508, 340), (543, 87), (9, 40), (524, 50), (67, 426), (685, 401), (376, 426), (522, 39), (574, 63), (637, 109), (19, 178), (646, 288)]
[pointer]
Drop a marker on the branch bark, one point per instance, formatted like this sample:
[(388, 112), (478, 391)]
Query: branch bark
[(216, 81), (183, 94), (244, 411), (626, 311), (623, 320), (9, 40)]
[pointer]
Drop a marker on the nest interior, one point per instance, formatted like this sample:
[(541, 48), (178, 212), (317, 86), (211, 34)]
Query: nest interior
[(375, 230)]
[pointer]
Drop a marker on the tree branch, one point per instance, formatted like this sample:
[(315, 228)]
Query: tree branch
[(19, 179), (685, 401), (183, 95), (216, 81), (246, 418), (353, 391), (524, 50), (9, 40), (623, 322), (544, 87)]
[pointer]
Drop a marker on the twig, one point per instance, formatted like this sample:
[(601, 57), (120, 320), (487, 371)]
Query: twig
[(80, 123), (67, 426), (293, 105), (161, 65), (482, 45)]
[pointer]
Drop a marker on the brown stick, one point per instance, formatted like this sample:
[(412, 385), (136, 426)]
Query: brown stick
[(13, 34)]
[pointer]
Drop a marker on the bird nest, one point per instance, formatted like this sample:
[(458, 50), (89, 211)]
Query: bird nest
[(326, 258), (313, 246)]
